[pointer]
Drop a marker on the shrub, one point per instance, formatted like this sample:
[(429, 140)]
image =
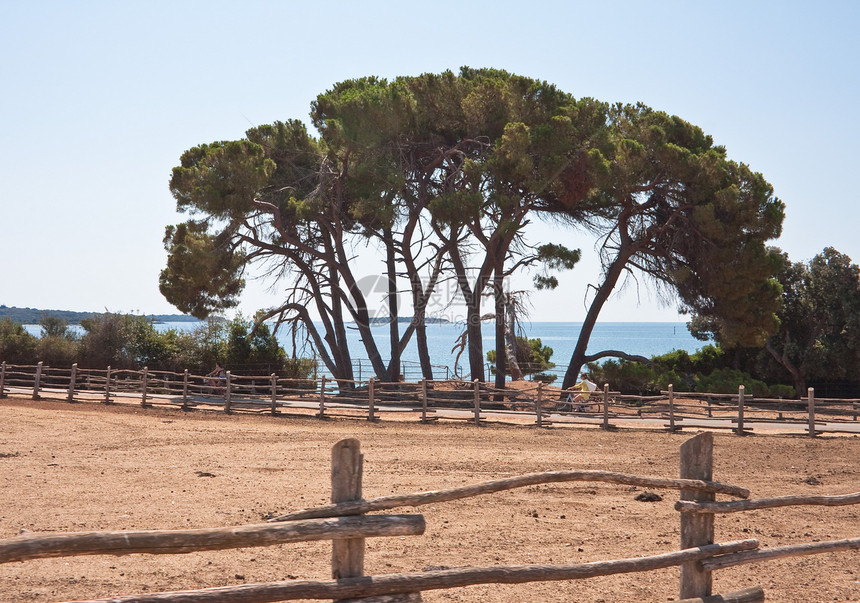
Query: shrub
[(17, 346), (532, 357), (726, 381)]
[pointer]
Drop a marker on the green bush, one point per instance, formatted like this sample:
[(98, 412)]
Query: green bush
[(532, 357), (726, 381), (17, 346), (124, 341), (624, 376)]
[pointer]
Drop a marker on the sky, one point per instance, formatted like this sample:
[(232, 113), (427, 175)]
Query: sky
[(100, 99)]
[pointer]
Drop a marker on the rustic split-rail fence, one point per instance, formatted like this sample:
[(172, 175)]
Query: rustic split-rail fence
[(428, 400), (347, 524)]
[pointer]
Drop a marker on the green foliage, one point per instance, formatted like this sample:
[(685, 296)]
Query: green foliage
[(55, 326), (249, 347), (17, 346), (819, 333), (124, 341), (121, 341), (532, 356), (554, 257), (727, 380), (698, 222), (203, 272), (631, 377), (222, 178)]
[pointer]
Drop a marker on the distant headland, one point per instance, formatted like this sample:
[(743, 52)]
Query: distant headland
[(32, 316)]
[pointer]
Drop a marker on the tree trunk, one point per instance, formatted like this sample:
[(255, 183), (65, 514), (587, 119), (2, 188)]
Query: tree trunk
[(578, 357), (796, 374), (394, 324), (501, 348), (336, 339), (511, 341), (423, 350), (475, 341)]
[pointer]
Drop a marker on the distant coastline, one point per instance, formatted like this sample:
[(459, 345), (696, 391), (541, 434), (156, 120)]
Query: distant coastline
[(32, 316)]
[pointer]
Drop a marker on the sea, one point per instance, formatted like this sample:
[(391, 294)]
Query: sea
[(641, 338)]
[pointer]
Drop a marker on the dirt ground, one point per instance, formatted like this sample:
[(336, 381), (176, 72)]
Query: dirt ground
[(86, 466)]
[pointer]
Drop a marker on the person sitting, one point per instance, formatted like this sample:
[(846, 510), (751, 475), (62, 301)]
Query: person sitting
[(216, 378), (583, 388)]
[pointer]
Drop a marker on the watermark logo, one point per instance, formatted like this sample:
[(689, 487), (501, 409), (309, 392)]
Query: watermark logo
[(444, 304)]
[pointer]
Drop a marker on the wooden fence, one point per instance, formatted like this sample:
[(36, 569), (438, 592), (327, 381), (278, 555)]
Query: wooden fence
[(345, 523), (431, 400)]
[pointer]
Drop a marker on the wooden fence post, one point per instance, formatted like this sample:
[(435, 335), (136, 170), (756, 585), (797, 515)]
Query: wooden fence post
[(538, 403), (274, 393), (347, 555), (72, 378), (477, 402), (3, 380), (811, 399), (321, 413), (107, 386), (740, 429), (424, 399), (697, 455), (371, 399), (185, 390), (672, 408), (227, 393), (36, 381), (606, 424), (145, 383)]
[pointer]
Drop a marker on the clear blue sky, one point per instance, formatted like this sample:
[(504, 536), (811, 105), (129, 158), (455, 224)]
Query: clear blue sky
[(99, 99)]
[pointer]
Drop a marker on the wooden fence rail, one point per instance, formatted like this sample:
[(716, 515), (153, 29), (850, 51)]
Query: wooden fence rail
[(431, 400), (698, 558)]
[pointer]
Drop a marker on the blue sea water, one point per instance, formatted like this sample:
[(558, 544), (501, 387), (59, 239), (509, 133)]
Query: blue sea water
[(642, 338)]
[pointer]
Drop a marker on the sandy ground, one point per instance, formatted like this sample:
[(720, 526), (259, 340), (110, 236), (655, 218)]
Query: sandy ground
[(92, 467)]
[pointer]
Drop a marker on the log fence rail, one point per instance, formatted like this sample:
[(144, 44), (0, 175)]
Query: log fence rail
[(374, 399)]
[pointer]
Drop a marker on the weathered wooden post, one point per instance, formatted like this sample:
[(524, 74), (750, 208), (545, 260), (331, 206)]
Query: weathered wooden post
[(227, 393), (697, 462), (371, 399), (811, 404), (710, 412), (274, 393), (72, 378), (477, 402), (740, 429), (185, 389), (321, 413), (37, 381), (672, 408), (424, 399), (3, 380), (107, 386), (606, 424), (347, 555), (144, 385), (538, 404)]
